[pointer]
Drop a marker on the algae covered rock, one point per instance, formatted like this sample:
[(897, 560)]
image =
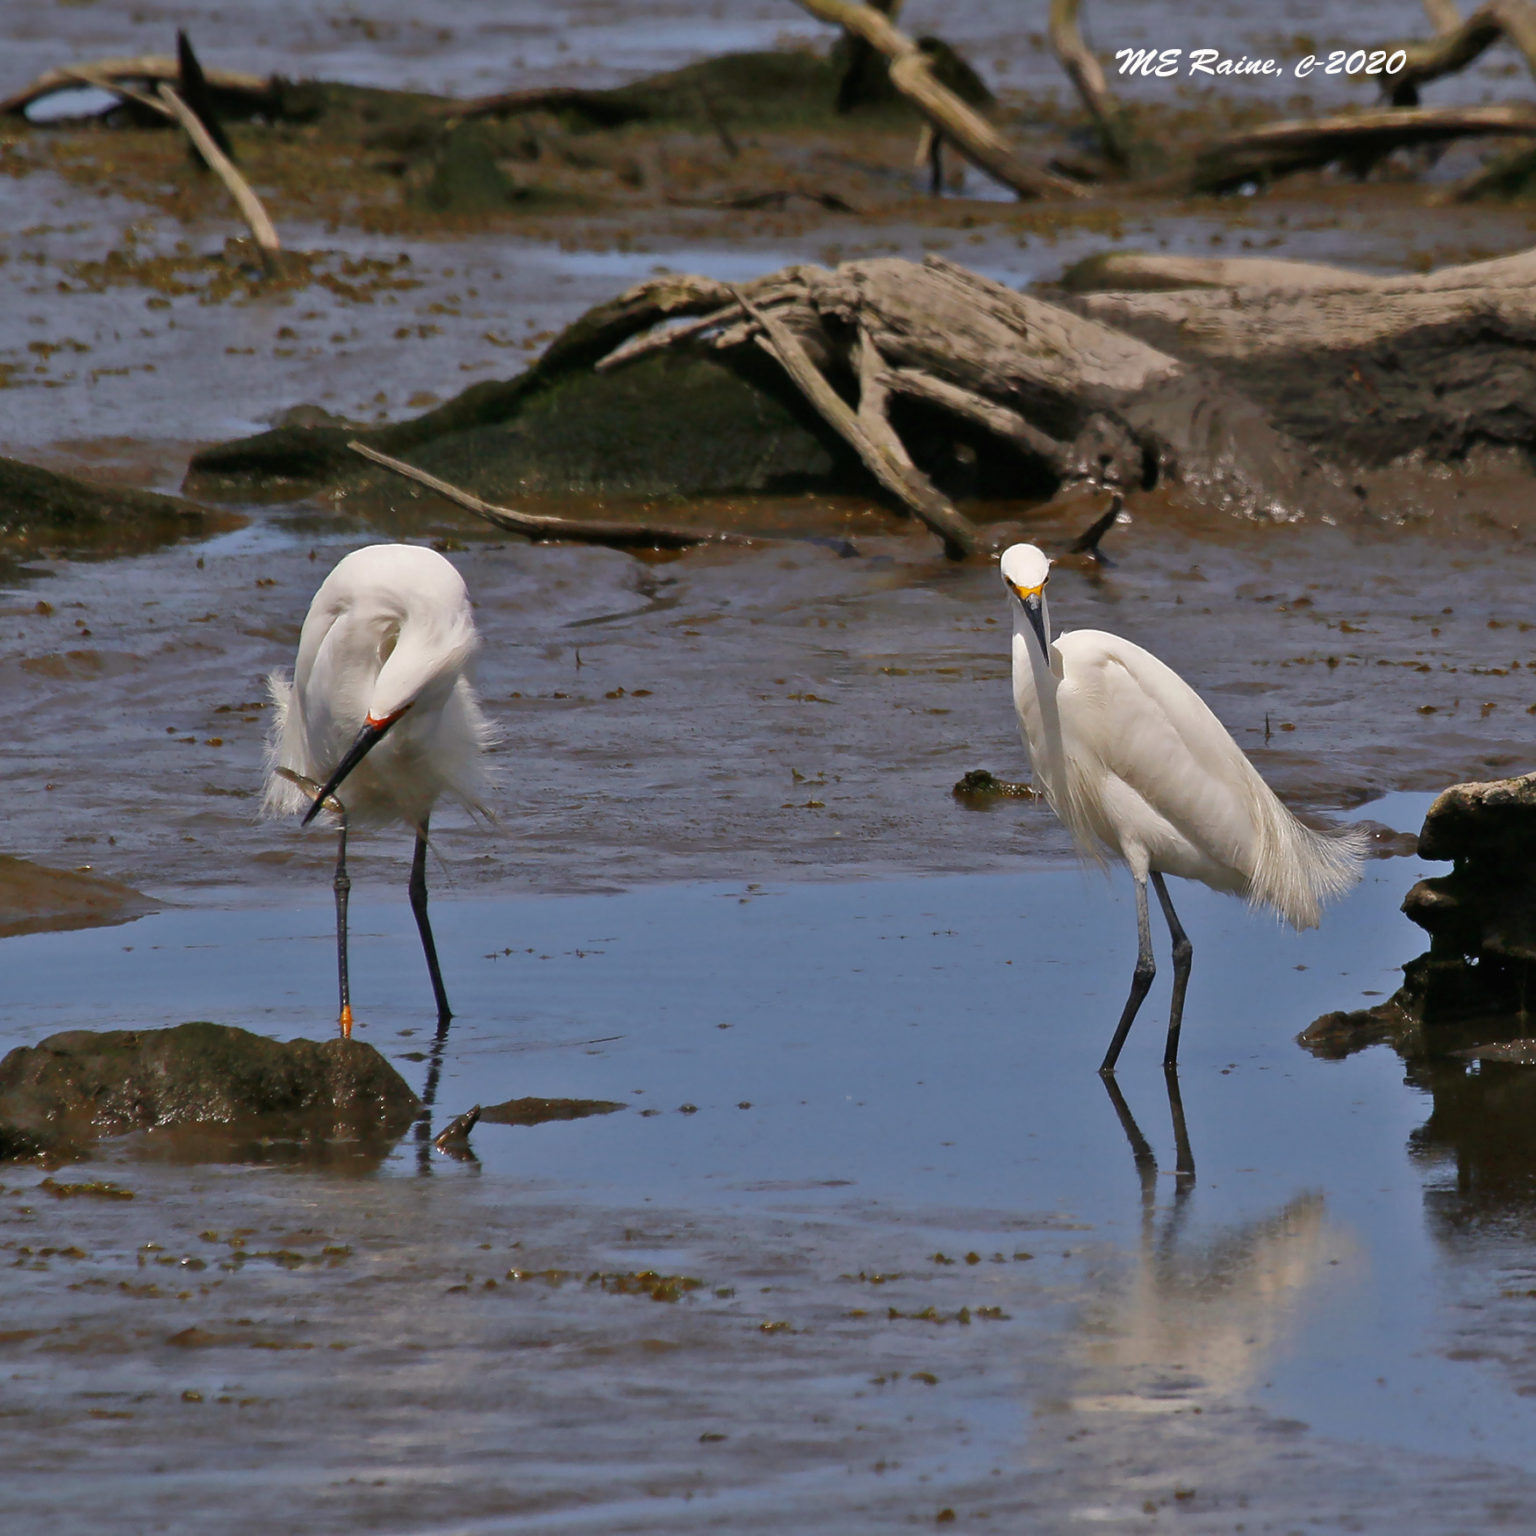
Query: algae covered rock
[(1481, 921), (45, 513), (72, 1087)]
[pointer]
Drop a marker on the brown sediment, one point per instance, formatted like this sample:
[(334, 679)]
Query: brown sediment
[(35, 899)]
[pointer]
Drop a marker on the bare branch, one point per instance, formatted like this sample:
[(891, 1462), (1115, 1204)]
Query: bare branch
[(965, 128), (618, 534), (238, 187), (146, 67), (1087, 77), (889, 465)]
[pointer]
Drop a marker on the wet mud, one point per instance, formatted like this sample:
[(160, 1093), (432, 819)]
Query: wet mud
[(869, 1246)]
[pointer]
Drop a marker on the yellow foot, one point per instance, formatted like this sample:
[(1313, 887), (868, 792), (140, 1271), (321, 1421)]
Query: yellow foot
[(346, 1022)]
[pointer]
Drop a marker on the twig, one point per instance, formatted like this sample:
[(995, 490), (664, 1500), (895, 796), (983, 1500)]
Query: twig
[(239, 188), (657, 341), (89, 74), (965, 128), (620, 535), (890, 466)]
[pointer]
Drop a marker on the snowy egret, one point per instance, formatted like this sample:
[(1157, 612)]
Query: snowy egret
[(380, 702), (1139, 769)]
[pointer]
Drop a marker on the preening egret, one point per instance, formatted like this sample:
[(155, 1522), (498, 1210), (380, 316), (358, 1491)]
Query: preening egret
[(380, 703), (1139, 769)]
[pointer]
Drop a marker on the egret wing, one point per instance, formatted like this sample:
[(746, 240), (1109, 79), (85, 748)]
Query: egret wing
[(1167, 772)]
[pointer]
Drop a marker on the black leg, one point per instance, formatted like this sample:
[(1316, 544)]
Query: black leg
[(1184, 1157), (1141, 978), (418, 890), (1141, 1150), (1183, 957), (343, 888)]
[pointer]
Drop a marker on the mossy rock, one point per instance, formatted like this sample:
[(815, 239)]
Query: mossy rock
[(44, 513), (673, 424), (59, 1095)]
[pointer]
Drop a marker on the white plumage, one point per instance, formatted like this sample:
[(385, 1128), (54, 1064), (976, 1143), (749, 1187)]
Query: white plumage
[(1139, 769), (380, 712), (391, 626)]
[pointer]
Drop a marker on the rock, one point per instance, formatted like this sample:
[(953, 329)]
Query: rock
[(1481, 921), (57, 1096), (671, 424), (43, 513)]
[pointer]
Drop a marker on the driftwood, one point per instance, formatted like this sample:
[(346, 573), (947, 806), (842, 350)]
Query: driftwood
[(866, 431), (238, 187), (1377, 367), (169, 104), (142, 69), (1282, 149), (1087, 77), (612, 532), (1084, 403), (950, 117), (1459, 43)]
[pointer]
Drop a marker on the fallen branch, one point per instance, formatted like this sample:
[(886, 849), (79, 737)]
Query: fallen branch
[(238, 187), (617, 534), (965, 128), (881, 451), (1460, 43), (659, 341), (1087, 77), (999, 420), (1284, 148), (151, 68)]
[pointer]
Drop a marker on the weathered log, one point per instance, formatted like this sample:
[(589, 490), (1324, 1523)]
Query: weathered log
[(1261, 400), (152, 68), (965, 128), (1141, 272), (1370, 368), (540, 528), (1087, 77), (1137, 271), (1282, 149)]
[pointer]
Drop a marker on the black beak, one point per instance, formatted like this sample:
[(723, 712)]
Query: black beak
[(364, 742), (1031, 602)]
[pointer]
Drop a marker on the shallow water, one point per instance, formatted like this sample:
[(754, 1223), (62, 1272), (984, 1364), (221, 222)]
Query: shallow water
[(843, 1098), (854, 1023)]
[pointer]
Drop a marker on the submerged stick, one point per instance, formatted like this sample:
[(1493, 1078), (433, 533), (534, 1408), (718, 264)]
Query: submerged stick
[(620, 535)]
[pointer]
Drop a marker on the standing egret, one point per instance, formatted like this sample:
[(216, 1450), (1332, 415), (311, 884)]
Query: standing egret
[(1139, 769), (381, 703)]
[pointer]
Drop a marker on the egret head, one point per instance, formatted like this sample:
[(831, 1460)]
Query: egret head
[(1025, 571)]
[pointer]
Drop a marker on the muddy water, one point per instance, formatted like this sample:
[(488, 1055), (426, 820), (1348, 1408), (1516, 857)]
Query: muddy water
[(868, 1243)]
